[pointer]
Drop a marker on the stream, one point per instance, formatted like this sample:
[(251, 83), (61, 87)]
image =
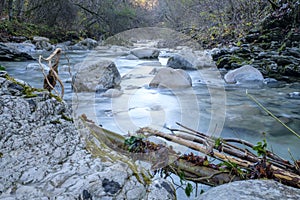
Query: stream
[(210, 106)]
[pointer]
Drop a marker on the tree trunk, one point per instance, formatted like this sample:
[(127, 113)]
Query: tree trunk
[(20, 8), (2, 4), (10, 10)]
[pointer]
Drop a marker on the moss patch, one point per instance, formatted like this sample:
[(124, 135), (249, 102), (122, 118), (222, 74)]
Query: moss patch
[(63, 116), (28, 91), (2, 68)]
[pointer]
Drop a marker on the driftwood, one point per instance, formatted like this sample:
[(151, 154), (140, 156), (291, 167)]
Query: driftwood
[(52, 77), (234, 163), (270, 166)]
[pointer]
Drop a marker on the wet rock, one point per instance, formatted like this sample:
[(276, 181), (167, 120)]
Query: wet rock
[(112, 93), (244, 74), (294, 95), (180, 62), (12, 54), (96, 76), (64, 46), (42, 43), (87, 43), (40, 39), (273, 83), (171, 78), (252, 189), (131, 57), (145, 53), (24, 47)]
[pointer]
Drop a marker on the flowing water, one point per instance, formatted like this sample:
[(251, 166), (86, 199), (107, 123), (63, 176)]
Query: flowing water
[(210, 106)]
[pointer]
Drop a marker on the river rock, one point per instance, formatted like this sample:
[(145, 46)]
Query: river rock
[(131, 57), (64, 45), (244, 74), (96, 76), (88, 43), (252, 190), (40, 39), (24, 47), (43, 155), (179, 62), (145, 53), (12, 54), (112, 93), (42, 43), (171, 78)]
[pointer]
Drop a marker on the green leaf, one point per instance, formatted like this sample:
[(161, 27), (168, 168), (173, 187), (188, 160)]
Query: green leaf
[(188, 189), (181, 176), (261, 148), (218, 142), (2, 68)]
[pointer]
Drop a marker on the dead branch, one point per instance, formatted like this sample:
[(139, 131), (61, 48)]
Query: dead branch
[(279, 172), (52, 77), (234, 164)]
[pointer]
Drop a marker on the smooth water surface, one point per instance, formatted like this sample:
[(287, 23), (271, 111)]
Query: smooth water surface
[(210, 106)]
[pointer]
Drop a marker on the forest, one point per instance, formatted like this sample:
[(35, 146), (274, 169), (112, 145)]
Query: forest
[(208, 22)]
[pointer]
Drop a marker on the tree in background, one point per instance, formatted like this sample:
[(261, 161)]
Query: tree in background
[(207, 21)]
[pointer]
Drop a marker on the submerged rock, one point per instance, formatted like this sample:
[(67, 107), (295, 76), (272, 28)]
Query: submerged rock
[(171, 78), (252, 190), (96, 76)]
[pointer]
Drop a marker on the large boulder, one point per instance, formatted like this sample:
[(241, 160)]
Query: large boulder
[(42, 43), (96, 76), (145, 53), (171, 78), (8, 53), (244, 74), (252, 190)]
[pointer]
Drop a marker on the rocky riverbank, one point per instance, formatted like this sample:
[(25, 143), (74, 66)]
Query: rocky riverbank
[(44, 156), (26, 50), (272, 47)]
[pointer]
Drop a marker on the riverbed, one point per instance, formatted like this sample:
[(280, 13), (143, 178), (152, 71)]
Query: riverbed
[(210, 106)]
